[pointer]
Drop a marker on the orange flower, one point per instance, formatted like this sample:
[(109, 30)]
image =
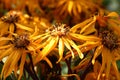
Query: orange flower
[(96, 68), (59, 36), (75, 7), (107, 29), (11, 23), (16, 48)]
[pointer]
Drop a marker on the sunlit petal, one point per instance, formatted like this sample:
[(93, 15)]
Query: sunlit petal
[(48, 48), (68, 46), (61, 49), (75, 47)]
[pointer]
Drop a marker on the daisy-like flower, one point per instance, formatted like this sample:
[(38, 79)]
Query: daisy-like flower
[(109, 44), (16, 49), (75, 7), (96, 68), (107, 29), (11, 22), (59, 36)]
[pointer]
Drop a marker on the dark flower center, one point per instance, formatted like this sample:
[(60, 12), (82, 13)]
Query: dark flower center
[(11, 17), (109, 39), (21, 41)]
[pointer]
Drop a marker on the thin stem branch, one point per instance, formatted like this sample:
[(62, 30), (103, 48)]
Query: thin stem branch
[(31, 61), (30, 72)]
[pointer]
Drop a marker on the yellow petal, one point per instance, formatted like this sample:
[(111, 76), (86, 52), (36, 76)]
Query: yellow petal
[(80, 25), (23, 58), (30, 48), (70, 6), (48, 61), (103, 63), (68, 46), (4, 38), (75, 47), (82, 65), (116, 70), (84, 47), (113, 14), (42, 45), (63, 9), (88, 25), (97, 53), (61, 49), (35, 32), (108, 66), (114, 26), (5, 53), (15, 69), (39, 40), (47, 49), (23, 27), (7, 65), (83, 38), (38, 36), (61, 2), (88, 46), (79, 7), (12, 28), (75, 11), (13, 63), (4, 47)]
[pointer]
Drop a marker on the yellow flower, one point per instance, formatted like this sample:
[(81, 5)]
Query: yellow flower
[(109, 50), (10, 23), (59, 36), (107, 29), (16, 49), (75, 7), (96, 68)]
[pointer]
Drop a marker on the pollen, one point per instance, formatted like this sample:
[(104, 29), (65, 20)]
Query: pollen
[(59, 29), (21, 41)]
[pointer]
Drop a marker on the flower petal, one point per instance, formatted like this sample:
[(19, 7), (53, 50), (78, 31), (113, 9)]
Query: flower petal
[(48, 61), (47, 49), (16, 57), (5, 53), (61, 49), (75, 47), (23, 27), (68, 46), (80, 25), (97, 53), (23, 58)]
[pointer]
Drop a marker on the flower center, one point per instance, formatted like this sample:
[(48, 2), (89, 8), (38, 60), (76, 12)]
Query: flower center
[(21, 41), (109, 39), (11, 17), (59, 29)]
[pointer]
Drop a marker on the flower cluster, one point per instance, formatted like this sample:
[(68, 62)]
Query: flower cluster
[(39, 37)]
